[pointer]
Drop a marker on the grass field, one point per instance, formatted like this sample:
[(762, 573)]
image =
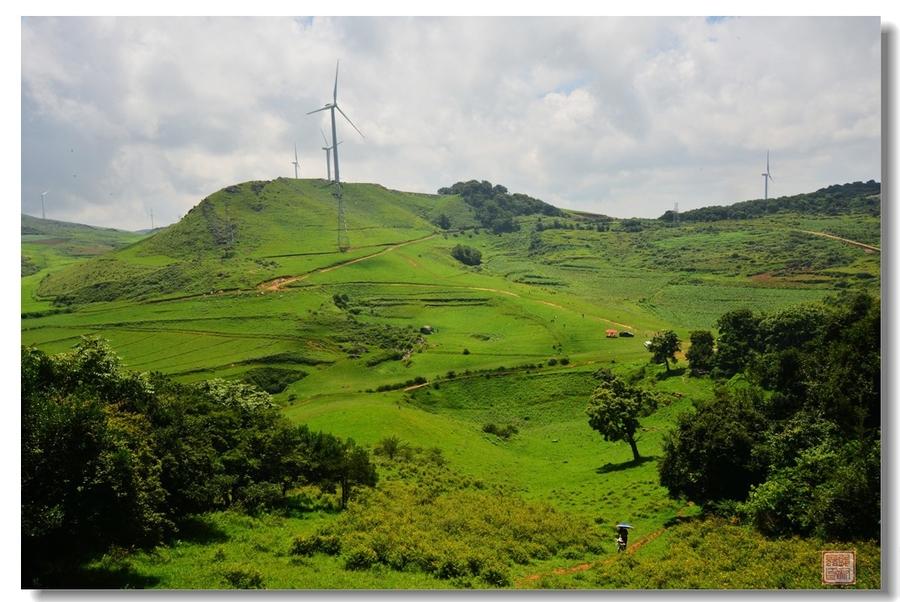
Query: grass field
[(251, 278)]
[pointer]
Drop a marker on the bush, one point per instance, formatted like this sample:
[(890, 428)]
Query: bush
[(467, 255), (495, 574), (259, 497), (504, 432), (244, 578), (311, 544), (360, 558)]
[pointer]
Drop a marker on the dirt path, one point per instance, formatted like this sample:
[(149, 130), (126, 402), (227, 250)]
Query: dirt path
[(855, 243), (273, 286), (584, 566)]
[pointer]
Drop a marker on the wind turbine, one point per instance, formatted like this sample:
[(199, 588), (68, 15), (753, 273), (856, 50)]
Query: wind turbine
[(296, 163), (767, 176), (343, 239), (43, 194), (327, 150), (331, 107)]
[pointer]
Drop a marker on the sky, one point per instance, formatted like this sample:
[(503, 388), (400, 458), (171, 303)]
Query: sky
[(620, 116)]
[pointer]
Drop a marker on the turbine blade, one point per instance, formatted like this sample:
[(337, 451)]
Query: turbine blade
[(335, 79), (348, 121), (325, 108), (323, 136)]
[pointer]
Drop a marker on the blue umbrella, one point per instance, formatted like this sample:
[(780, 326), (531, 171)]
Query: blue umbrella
[(624, 525)]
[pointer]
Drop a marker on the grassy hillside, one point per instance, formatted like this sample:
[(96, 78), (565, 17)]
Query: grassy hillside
[(245, 234), (50, 245), (250, 285)]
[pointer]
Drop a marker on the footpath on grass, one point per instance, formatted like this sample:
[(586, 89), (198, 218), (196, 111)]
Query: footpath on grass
[(584, 566)]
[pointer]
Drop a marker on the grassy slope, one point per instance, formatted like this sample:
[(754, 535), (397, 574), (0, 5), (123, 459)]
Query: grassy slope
[(49, 246), (534, 298)]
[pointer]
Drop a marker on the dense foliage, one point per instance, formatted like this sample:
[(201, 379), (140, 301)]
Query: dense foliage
[(494, 207), (701, 354), (111, 457), (796, 447), (467, 255), (858, 197)]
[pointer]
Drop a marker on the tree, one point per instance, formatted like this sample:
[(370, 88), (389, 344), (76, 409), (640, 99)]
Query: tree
[(443, 221), (739, 338), (614, 409), (467, 255), (701, 354), (711, 454), (663, 346)]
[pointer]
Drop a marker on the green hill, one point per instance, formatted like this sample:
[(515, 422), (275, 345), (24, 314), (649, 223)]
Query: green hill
[(248, 233)]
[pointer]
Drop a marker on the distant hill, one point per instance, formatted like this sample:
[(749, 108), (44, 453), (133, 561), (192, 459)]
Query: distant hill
[(90, 239), (858, 197), (46, 241)]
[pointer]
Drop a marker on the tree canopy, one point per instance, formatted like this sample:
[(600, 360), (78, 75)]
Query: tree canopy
[(114, 457), (494, 207), (792, 441), (615, 408)]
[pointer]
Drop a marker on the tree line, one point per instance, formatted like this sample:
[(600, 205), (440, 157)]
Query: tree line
[(858, 197), (113, 457), (791, 441)]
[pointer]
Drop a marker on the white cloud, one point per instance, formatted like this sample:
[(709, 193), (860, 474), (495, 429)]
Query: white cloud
[(620, 116)]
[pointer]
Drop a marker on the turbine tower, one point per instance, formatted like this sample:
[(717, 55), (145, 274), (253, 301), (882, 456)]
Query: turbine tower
[(296, 164), (327, 150), (767, 176), (343, 239), (43, 214)]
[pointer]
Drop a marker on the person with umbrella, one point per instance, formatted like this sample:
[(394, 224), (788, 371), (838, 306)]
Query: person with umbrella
[(622, 539)]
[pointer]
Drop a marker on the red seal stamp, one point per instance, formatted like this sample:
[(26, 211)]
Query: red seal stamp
[(839, 567)]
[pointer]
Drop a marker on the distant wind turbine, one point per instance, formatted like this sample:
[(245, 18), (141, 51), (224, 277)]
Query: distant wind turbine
[(767, 176), (331, 107), (327, 150), (296, 163), (43, 214)]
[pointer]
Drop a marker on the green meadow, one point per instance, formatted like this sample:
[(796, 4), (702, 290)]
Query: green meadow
[(396, 338)]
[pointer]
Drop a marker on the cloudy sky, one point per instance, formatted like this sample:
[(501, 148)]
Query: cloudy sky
[(618, 116)]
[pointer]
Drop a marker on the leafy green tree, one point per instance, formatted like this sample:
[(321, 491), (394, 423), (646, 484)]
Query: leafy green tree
[(739, 338), (443, 222), (663, 347), (711, 454), (467, 255), (614, 411), (701, 354)]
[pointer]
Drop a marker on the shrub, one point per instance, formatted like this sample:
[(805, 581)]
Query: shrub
[(504, 432), (307, 545), (495, 574), (467, 255), (244, 578), (360, 558)]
